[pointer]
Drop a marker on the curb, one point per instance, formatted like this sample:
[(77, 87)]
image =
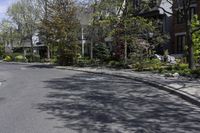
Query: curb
[(22, 63), (186, 96)]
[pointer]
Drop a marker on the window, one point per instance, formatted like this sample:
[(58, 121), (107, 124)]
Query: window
[(180, 18), (192, 12), (180, 44)]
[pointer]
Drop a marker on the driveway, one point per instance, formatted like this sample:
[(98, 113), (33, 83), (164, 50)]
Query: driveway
[(41, 99)]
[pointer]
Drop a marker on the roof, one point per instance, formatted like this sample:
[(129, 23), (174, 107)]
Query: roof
[(155, 10), (152, 9)]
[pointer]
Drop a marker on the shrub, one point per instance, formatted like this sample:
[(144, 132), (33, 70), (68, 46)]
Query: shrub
[(148, 64), (20, 58), (196, 72), (182, 66), (8, 58), (67, 54), (101, 52), (117, 64), (36, 58), (33, 58), (184, 72), (84, 62)]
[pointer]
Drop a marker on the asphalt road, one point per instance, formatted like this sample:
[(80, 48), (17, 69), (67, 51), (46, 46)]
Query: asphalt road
[(39, 99)]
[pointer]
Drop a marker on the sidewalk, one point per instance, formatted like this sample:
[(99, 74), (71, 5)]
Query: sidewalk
[(188, 89)]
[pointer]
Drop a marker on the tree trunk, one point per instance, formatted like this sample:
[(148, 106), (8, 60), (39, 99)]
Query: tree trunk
[(190, 52), (82, 41), (190, 45), (32, 52), (91, 50)]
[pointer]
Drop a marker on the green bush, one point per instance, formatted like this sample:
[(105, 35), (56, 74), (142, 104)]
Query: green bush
[(182, 66), (148, 64), (101, 52), (36, 58), (8, 58), (20, 58), (13, 55), (196, 72), (117, 64), (184, 72), (33, 58), (83, 62), (170, 67)]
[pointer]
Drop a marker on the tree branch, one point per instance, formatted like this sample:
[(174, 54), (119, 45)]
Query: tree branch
[(165, 10)]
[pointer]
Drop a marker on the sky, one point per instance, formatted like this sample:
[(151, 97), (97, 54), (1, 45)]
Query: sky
[(4, 4)]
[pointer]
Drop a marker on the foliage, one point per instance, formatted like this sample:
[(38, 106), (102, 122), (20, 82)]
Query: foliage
[(117, 64), (33, 58), (196, 72), (182, 66), (196, 38), (60, 27), (2, 51), (126, 28), (84, 62), (8, 58), (25, 16), (67, 54), (20, 58), (147, 64), (102, 52)]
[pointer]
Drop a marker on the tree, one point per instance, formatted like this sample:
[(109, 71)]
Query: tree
[(182, 9), (9, 33), (25, 14), (101, 52), (119, 19), (196, 38), (61, 27)]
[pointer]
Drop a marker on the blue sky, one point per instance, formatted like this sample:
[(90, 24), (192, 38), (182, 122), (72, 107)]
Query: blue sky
[(4, 4)]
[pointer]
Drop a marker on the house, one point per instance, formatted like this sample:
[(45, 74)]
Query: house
[(24, 46), (179, 39), (157, 11)]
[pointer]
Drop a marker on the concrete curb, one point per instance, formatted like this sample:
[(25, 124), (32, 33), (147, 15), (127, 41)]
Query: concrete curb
[(22, 63), (189, 98)]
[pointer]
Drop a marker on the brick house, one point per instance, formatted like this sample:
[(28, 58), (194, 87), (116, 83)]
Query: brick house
[(178, 37), (156, 13)]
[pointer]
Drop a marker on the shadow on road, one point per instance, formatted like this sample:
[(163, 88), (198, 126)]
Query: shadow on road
[(1, 99), (41, 66), (91, 103)]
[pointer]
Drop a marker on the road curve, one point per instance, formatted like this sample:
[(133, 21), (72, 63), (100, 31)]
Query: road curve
[(41, 99)]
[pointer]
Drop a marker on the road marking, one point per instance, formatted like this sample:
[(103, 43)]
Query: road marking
[(0, 84)]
